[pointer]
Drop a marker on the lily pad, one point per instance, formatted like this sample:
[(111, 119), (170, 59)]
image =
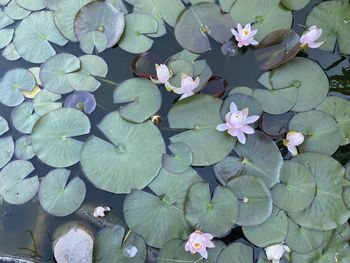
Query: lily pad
[(33, 5), (7, 148), (15, 187), (174, 251), (100, 16), (4, 127), (237, 252), (5, 20), (255, 201), (23, 148), (54, 72), (141, 97), (46, 101), (59, 197), (200, 21), (23, 118), (6, 36), (180, 158), (10, 53), (179, 67), (321, 132), (120, 165), (208, 146), (92, 40), (52, 137), (333, 18), (276, 126), (33, 36), (227, 169), (295, 4), (215, 214), (16, 12)]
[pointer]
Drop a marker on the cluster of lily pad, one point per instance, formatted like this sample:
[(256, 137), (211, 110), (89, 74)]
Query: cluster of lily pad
[(296, 207)]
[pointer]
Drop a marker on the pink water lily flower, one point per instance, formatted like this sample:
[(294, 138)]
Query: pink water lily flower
[(276, 252), (198, 242), (309, 38), (237, 123), (245, 36), (293, 139), (100, 211), (187, 86)]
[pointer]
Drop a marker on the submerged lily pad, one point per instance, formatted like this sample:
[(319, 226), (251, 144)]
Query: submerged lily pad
[(59, 197), (81, 100), (200, 21), (52, 137), (33, 5), (34, 34), (23, 118), (120, 165), (15, 187), (23, 148), (46, 101), (180, 158), (7, 148), (237, 252)]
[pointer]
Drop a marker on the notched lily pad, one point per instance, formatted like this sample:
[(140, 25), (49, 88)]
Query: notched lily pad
[(7, 148), (23, 118), (23, 148), (180, 158), (46, 101)]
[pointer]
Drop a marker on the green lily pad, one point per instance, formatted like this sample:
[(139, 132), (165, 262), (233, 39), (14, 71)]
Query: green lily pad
[(120, 5), (33, 36), (327, 210), (215, 214), (134, 39), (33, 5), (228, 168), (178, 68), (64, 16), (154, 218), (296, 190), (100, 16), (91, 66), (46, 101), (333, 18), (23, 118), (264, 80), (10, 53), (52, 137), (295, 4), (241, 90), (237, 252), (208, 146), (110, 246), (54, 72), (339, 109), (174, 251), (5, 20), (141, 97), (226, 5), (6, 36), (92, 40), (16, 12), (4, 126), (7, 148), (200, 21), (15, 187), (255, 201), (321, 132), (120, 165), (267, 15), (59, 197), (23, 148), (180, 158)]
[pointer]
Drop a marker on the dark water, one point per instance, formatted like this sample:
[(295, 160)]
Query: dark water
[(18, 222)]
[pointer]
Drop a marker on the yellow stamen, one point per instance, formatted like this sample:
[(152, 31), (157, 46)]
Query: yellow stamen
[(246, 32), (197, 245)]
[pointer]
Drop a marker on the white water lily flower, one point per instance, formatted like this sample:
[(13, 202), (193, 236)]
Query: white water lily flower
[(276, 252), (245, 36), (187, 86), (163, 73), (309, 38), (100, 211), (198, 242), (293, 139), (237, 123)]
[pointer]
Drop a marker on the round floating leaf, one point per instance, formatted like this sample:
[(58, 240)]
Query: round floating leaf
[(321, 132), (91, 66), (92, 40), (34, 34), (339, 109), (276, 126), (255, 201), (4, 127), (237, 253), (54, 72), (215, 215), (120, 165), (5, 20), (100, 16), (143, 65), (23, 118), (207, 144), (10, 53), (64, 15), (308, 77), (142, 98), (179, 67), (136, 26), (333, 17), (296, 190), (59, 197), (327, 210), (6, 36), (174, 251), (155, 219), (15, 187), (14, 11), (52, 137), (33, 5), (227, 169), (272, 231), (110, 246), (81, 100), (180, 158), (200, 21), (11, 85), (7, 148), (46, 101), (295, 4), (23, 148), (267, 15), (241, 90), (301, 239)]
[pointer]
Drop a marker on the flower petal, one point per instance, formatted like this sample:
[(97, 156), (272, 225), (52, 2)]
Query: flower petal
[(241, 137), (251, 119), (222, 127), (247, 129), (233, 108)]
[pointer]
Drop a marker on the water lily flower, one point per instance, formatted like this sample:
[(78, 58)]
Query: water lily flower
[(198, 242), (293, 139), (237, 123), (309, 38), (81, 100), (164, 74), (245, 36), (187, 86), (276, 252), (100, 211)]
